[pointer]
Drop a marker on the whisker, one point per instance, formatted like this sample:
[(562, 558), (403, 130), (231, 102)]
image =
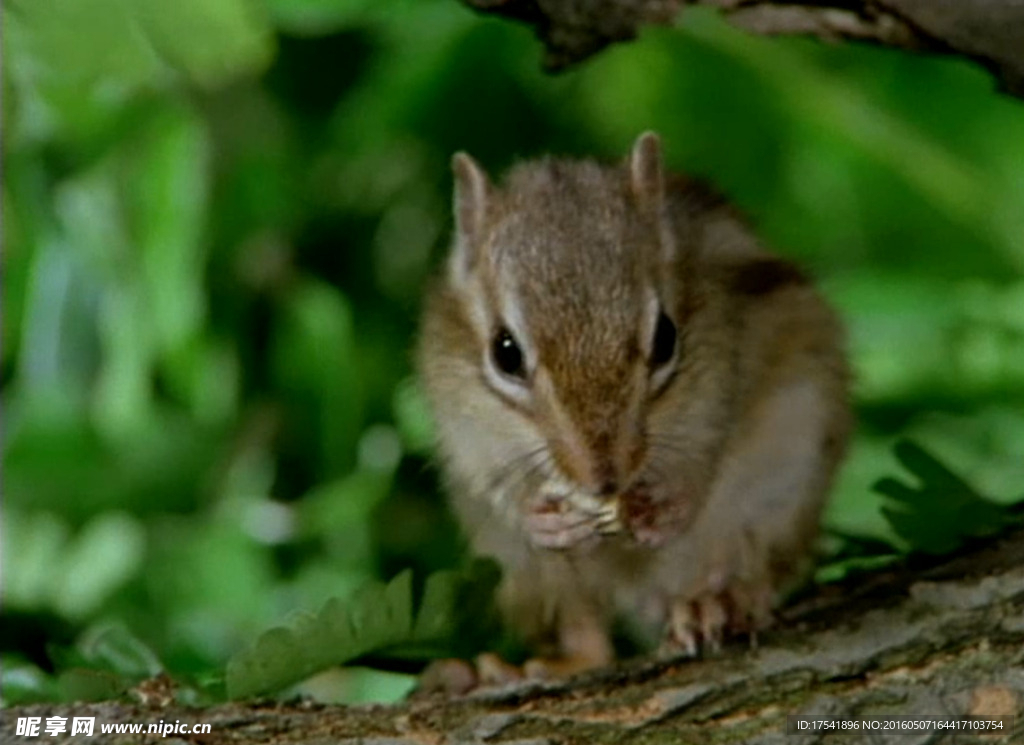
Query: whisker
[(508, 479), (513, 474), (509, 467), (536, 468), (659, 449)]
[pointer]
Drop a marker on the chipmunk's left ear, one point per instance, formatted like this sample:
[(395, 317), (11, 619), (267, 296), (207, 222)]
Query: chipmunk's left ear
[(645, 171)]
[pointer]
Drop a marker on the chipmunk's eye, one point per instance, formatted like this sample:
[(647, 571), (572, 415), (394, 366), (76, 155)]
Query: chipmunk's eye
[(507, 355), (664, 344)]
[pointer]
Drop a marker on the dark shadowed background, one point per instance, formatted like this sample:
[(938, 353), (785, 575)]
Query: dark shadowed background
[(218, 218)]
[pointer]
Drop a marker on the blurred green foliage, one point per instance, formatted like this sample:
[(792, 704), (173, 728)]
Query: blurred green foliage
[(218, 215), (382, 622), (941, 512)]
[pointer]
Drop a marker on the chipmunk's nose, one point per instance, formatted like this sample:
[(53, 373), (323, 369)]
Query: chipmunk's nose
[(606, 480)]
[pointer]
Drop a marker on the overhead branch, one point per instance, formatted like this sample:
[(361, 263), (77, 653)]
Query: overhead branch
[(988, 31)]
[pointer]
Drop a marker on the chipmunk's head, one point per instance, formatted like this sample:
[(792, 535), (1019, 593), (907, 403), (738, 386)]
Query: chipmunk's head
[(557, 332)]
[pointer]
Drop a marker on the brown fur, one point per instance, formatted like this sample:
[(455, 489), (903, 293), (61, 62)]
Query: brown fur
[(727, 453)]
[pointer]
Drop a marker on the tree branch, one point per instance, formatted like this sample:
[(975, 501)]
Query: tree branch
[(988, 31), (941, 639)]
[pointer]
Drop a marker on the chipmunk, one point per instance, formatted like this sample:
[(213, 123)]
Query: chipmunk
[(639, 410)]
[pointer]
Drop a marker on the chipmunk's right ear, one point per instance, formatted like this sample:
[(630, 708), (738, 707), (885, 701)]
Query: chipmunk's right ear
[(646, 171), (472, 192)]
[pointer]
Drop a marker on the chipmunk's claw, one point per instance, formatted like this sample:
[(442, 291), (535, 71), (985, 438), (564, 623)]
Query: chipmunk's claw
[(452, 677), (704, 622)]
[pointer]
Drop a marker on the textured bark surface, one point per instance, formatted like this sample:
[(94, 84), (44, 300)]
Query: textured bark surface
[(926, 640), (989, 31)]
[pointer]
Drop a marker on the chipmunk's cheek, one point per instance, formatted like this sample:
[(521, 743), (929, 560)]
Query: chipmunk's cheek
[(653, 520)]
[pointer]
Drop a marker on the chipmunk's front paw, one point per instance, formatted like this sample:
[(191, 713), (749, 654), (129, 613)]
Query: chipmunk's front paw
[(653, 522), (704, 620), (557, 522)]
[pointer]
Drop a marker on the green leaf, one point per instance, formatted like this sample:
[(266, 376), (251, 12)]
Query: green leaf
[(103, 556), (215, 572), (951, 184), (99, 250), (412, 416), (75, 65), (102, 665), (315, 361), (378, 621), (165, 187), (343, 505), (318, 16), (112, 647), (440, 595), (61, 52), (835, 571), (24, 682), (82, 684), (210, 40), (942, 511), (32, 549)]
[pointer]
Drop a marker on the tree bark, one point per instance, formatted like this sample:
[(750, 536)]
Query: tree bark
[(988, 31), (939, 639)]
